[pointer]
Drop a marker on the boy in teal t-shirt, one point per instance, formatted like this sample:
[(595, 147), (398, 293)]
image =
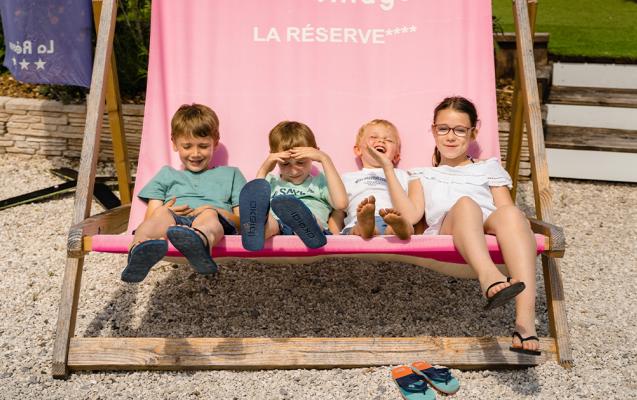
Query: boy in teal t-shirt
[(193, 207), (301, 202)]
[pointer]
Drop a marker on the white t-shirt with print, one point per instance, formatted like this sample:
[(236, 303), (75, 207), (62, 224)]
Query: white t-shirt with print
[(369, 182)]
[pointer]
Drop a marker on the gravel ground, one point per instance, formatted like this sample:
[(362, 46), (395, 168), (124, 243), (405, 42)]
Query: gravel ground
[(251, 299)]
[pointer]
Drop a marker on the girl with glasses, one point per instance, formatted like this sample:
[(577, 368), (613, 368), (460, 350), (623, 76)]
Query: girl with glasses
[(467, 198)]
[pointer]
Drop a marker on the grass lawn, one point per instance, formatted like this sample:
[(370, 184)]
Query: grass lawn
[(589, 28)]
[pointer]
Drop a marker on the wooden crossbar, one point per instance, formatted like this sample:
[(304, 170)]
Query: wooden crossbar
[(287, 353)]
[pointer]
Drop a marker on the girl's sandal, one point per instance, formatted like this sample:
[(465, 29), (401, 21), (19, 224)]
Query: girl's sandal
[(522, 340), (504, 295)]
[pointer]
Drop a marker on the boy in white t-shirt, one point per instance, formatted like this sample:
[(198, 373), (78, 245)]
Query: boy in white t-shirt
[(383, 200)]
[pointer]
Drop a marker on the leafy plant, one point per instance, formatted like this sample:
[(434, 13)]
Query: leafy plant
[(132, 35)]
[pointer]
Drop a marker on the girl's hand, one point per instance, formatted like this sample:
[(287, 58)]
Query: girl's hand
[(183, 209), (309, 153)]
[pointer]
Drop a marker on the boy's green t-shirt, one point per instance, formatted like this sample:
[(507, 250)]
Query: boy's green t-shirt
[(313, 192), (218, 187)]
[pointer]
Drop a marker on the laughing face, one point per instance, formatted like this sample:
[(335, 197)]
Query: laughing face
[(383, 139), (195, 153)]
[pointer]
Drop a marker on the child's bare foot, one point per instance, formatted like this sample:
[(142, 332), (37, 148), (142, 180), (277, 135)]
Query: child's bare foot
[(398, 224), (365, 221)]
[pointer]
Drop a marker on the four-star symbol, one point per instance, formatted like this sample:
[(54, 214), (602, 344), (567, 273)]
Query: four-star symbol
[(400, 29)]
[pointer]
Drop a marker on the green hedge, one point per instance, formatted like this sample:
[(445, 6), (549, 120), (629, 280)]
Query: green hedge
[(132, 34)]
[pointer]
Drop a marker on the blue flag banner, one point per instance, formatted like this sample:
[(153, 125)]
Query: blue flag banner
[(48, 41)]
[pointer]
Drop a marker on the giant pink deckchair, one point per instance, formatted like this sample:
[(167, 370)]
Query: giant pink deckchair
[(333, 65)]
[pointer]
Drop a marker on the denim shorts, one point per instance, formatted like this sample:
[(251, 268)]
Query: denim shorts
[(287, 230), (228, 227), (381, 226)]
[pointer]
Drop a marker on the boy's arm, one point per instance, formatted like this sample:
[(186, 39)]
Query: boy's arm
[(338, 195), (336, 221), (410, 205)]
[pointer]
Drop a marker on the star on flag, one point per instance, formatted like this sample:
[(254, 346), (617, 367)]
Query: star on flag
[(39, 64), (24, 64)]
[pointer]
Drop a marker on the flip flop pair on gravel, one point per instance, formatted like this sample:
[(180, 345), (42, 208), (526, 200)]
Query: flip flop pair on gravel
[(415, 382), (143, 256)]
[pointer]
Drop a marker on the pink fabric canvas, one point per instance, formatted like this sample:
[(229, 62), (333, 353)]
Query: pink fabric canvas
[(438, 247), (332, 64)]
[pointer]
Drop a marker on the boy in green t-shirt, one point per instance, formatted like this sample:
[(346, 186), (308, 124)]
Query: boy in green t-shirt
[(193, 207), (301, 202)]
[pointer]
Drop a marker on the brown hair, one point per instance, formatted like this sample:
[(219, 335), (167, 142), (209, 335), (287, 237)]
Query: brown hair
[(456, 103), (289, 134), (196, 120)]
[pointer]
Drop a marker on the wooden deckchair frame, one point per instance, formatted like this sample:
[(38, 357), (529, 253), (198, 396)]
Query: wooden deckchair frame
[(74, 353)]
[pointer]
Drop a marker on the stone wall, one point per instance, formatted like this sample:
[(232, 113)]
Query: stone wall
[(52, 129)]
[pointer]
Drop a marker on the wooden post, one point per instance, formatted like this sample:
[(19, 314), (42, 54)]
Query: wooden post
[(539, 168), (85, 183), (114, 110), (516, 131)]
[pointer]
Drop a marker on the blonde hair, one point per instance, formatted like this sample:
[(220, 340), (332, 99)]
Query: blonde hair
[(381, 122), (195, 120), (289, 134)]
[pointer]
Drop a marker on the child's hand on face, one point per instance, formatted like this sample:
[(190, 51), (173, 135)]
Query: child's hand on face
[(183, 209), (274, 158), (378, 157), (311, 153)]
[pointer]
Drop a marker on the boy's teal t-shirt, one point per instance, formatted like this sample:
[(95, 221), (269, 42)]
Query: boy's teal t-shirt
[(313, 192), (218, 187)]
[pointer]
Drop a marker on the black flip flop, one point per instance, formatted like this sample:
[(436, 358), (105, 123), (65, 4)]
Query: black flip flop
[(254, 206), (193, 247), (504, 295), (522, 340), (297, 216), (141, 259)]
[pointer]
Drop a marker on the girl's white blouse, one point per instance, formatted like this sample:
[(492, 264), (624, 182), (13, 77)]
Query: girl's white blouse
[(444, 185)]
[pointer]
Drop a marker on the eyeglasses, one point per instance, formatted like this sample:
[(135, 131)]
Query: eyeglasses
[(460, 131)]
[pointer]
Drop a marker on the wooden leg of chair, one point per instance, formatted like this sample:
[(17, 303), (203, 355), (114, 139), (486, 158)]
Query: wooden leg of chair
[(66, 317), (557, 312)]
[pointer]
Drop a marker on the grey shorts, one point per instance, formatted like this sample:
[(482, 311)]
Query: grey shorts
[(228, 227)]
